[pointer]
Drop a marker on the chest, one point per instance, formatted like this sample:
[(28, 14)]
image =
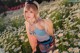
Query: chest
[(38, 29)]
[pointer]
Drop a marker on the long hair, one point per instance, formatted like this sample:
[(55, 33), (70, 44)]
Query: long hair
[(33, 6)]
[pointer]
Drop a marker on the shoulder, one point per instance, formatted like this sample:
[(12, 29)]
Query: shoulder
[(48, 21)]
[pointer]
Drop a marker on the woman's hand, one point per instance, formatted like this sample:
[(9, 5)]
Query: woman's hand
[(34, 51)]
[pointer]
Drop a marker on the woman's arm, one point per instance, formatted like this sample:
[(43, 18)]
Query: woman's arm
[(32, 38), (49, 27)]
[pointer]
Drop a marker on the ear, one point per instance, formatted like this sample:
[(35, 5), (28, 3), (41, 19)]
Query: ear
[(37, 15)]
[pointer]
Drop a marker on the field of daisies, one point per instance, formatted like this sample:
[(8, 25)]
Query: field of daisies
[(66, 21)]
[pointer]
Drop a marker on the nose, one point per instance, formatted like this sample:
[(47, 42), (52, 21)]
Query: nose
[(27, 14)]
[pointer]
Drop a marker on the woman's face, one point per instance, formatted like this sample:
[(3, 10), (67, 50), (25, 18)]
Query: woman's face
[(30, 15)]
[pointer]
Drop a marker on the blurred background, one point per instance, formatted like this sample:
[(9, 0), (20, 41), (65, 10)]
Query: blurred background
[(65, 15), (7, 5)]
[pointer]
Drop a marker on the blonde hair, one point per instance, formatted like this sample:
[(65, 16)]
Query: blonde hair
[(33, 6)]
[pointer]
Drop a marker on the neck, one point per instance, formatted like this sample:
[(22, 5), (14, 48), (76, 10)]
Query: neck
[(33, 22)]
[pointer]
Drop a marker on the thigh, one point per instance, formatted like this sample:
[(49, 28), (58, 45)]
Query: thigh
[(42, 48)]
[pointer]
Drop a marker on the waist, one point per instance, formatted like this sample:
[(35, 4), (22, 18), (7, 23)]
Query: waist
[(46, 41), (42, 38)]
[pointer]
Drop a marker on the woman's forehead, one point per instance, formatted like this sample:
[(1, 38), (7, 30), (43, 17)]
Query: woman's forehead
[(29, 10), (30, 7), (27, 7)]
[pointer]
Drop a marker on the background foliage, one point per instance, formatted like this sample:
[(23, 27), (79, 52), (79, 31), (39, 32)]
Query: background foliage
[(66, 20)]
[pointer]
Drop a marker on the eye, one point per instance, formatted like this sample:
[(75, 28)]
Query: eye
[(31, 12), (26, 11)]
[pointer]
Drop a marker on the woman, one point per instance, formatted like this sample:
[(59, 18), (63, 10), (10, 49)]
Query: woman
[(39, 31)]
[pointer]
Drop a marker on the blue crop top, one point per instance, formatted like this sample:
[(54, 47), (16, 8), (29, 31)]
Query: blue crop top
[(40, 34)]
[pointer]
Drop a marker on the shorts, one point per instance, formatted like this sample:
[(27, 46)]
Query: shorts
[(46, 44)]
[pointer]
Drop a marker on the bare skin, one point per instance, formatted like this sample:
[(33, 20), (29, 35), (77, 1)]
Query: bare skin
[(30, 21), (34, 42)]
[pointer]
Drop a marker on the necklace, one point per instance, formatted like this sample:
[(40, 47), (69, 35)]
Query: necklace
[(32, 26)]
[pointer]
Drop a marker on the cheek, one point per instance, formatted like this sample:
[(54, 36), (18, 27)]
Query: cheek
[(26, 14), (32, 15)]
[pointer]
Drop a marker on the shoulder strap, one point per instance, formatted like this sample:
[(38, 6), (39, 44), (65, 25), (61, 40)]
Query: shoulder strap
[(44, 24)]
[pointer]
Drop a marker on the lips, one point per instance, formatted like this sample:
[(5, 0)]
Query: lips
[(28, 17)]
